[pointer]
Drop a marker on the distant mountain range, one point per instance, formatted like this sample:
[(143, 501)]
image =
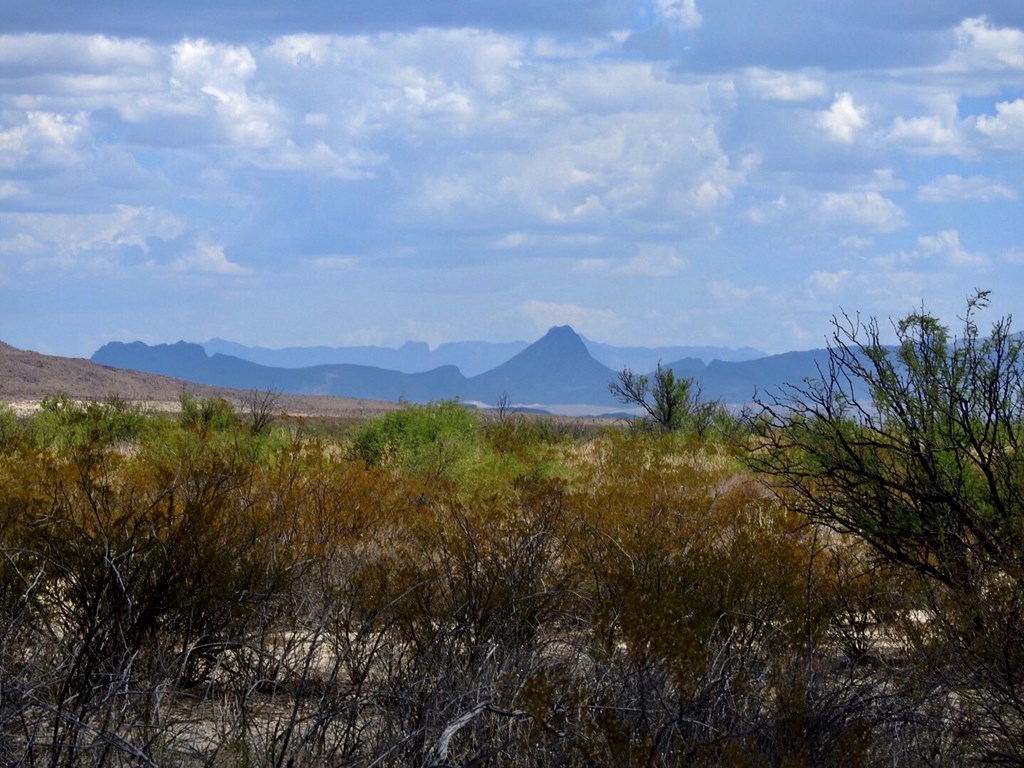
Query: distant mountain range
[(560, 372), (470, 357)]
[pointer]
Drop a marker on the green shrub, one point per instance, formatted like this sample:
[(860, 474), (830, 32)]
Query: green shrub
[(432, 439), (208, 415), (65, 423), (10, 426)]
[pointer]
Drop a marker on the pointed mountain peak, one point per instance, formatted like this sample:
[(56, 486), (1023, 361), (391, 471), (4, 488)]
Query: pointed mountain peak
[(558, 351), (562, 336)]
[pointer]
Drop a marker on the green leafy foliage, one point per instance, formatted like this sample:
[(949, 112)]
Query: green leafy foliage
[(437, 440), (65, 423), (206, 416), (10, 426), (929, 472), (674, 404)]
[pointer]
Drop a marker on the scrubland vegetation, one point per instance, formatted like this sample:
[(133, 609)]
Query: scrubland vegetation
[(816, 585)]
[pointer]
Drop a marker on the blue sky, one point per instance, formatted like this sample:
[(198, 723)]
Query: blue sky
[(650, 172)]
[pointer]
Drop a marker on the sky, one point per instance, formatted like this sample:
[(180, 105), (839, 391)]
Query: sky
[(650, 172)]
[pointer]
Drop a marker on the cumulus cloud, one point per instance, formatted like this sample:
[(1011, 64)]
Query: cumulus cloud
[(946, 244), (927, 130), (938, 133), (12, 189), (844, 119), (768, 212), (1005, 129), (644, 147), (679, 14), (514, 240), (91, 240), (726, 291), (427, 75), (953, 188), (935, 255), (43, 140), (653, 261), (775, 85), (866, 210), (50, 53), (208, 258), (21, 244), (318, 157), (981, 45), (856, 242), (827, 282), (219, 73), (551, 48), (881, 180)]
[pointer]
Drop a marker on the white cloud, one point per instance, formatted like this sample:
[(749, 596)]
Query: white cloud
[(828, 282), (728, 292), (844, 119), (44, 139), (317, 157), (1005, 129), (868, 210), (882, 180), (658, 161), (679, 14), (653, 261), (207, 258), (980, 45), (590, 321), (12, 189), (947, 244), (933, 252), (93, 240), (1013, 256), (591, 208), (580, 139), (856, 242), (74, 53), (218, 74), (773, 85), (573, 140), (21, 244), (515, 240), (953, 188), (767, 213), (428, 74), (554, 48), (304, 50), (930, 134)]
